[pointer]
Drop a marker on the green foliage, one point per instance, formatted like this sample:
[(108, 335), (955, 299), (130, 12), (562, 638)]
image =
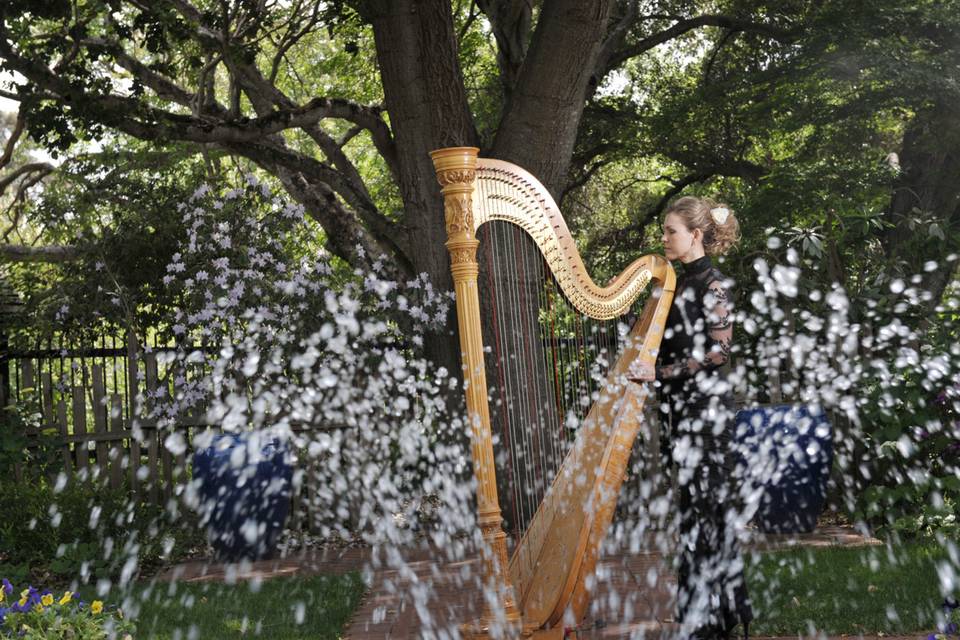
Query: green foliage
[(914, 489), (81, 533), (114, 207), (23, 442), (798, 133)]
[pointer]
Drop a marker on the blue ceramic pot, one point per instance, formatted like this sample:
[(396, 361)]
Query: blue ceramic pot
[(787, 453), (244, 484)]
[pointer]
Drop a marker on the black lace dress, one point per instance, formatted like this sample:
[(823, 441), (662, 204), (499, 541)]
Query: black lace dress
[(696, 410)]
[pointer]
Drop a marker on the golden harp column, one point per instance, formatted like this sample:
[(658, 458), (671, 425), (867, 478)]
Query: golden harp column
[(456, 172)]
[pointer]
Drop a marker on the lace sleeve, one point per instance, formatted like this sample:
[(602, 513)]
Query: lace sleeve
[(718, 334)]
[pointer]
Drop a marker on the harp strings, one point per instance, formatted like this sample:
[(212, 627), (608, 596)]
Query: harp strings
[(545, 361)]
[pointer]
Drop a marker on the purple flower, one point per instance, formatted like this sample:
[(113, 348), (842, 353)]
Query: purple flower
[(7, 587)]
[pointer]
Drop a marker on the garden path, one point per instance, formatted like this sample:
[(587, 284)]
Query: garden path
[(641, 581)]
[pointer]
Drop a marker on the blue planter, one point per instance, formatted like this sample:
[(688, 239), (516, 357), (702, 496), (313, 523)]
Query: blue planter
[(787, 452), (244, 484)]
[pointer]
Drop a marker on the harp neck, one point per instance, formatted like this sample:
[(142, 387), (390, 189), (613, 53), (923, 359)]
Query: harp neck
[(504, 191)]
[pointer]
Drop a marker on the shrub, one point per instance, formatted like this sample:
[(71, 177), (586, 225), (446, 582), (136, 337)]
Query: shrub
[(83, 532), (37, 453)]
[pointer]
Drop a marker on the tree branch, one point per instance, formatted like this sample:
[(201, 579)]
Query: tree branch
[(50, 253), (585, 176), (143, 121), (345, 179), (612, 43), (294, 34), (265, 95), (162, 86), (740, 168), (345, 236), (18, 128), (708, 67), (31, 167), (510, 21), (330, 182), (683, 26), (471, 18)]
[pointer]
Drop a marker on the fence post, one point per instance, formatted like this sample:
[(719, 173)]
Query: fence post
[(46, 395), (773, 383), (79, 431), (27, 380), (64, 433), (133, 375), (116, 447), (150, 431), (100, 420)]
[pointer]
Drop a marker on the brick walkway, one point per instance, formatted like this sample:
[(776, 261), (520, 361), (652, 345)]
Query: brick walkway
[(638, 587), (641, 583)]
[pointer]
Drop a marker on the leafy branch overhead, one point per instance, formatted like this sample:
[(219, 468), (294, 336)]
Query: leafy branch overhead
[(340, 102), (221, 74)]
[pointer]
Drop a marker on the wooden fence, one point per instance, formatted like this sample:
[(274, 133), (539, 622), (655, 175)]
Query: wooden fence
[(103, 436), (98, 440)]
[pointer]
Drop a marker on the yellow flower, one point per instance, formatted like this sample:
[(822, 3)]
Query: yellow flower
[(47, 600), (67, 597), (2, 591), (38, 608), (96, 607), (23, 601), (25, 593)]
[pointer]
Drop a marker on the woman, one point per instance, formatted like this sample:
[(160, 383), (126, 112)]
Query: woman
[(697, 418)]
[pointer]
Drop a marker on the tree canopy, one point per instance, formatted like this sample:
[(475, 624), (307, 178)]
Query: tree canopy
[(828, 120)]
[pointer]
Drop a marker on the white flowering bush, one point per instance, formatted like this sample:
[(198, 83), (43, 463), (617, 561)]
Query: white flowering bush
[(279, 337)]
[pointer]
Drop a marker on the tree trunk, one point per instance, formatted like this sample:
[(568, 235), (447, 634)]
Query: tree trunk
[(426, 100), (929, 186), (541, 121), (425, 97)]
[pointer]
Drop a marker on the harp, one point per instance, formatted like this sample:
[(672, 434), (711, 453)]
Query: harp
[(545, 580)]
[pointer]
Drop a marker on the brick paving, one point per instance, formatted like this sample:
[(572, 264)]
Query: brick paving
[(633, 596)]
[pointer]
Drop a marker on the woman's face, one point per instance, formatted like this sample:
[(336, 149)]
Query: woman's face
[(678, 241)]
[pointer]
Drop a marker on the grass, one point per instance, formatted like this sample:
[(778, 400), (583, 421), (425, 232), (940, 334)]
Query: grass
[(843, 590), (316, 607), (833, 590)]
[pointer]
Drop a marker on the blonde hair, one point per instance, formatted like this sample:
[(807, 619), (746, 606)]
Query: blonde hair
[(716, 221)]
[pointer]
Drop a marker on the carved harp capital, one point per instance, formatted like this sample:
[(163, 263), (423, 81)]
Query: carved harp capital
[(459, 214), (447, 177), (456, 172)]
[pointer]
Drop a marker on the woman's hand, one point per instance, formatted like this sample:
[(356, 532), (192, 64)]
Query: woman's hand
[(640, 371)]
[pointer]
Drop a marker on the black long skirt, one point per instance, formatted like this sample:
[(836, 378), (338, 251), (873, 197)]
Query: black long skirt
[(697, 443)]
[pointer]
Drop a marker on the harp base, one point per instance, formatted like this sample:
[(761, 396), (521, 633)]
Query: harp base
[(479, 630), (552, 634)]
